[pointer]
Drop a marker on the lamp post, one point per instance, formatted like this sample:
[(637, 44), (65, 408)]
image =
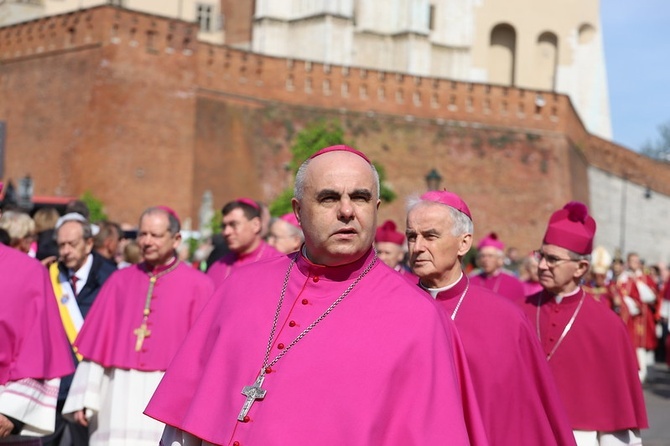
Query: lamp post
[(10, 193), (622, 227), (25, 195), (433, 180)]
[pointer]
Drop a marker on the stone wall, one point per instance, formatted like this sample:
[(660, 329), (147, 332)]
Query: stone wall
[(133, 108)]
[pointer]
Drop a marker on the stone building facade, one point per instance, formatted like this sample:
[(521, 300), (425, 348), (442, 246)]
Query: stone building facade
[(551, 46)]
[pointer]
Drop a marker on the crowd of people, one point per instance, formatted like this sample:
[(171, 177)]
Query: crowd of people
[(322, 326)]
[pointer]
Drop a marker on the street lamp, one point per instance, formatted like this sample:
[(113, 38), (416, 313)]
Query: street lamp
[(622, 226), (433, 180), (25, 195)]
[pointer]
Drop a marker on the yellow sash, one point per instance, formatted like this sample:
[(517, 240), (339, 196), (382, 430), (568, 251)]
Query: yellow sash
[(70, 329)]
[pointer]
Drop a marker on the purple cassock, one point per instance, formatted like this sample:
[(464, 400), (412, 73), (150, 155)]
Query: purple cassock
[(32, 340), (594, 364), (108, 337), (382, 368), (517, 396), (408, 275), (502, 283), (222, 268)]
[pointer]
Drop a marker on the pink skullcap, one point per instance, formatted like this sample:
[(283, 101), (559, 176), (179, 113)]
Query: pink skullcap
[(341, 148), (291, 219), (491, 240), (448, 198), (387, 233), (170, 211), (571, 228), (250, 202)]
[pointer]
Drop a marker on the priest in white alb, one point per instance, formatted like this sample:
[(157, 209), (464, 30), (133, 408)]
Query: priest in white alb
[(34, 351), (131, 333)]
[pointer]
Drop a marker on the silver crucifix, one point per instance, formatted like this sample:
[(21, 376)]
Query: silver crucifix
[(252, 393)]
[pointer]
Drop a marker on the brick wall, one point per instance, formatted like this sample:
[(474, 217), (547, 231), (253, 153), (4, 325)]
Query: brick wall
[(102, 100), (133, 108)]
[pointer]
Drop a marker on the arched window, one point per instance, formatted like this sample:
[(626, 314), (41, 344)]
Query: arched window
[(546, 61), (586, 33), (502, 55)]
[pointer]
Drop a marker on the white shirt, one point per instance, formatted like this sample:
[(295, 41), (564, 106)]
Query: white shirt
[(82, 273)]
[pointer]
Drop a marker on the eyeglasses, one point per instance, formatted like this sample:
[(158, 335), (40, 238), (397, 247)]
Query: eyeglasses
[(277, 237), (551, 261)]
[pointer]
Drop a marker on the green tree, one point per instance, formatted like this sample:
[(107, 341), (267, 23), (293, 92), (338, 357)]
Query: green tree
[(315, 136), (385, 193), (660, 148), (96, 207), (215, 223), (312, 138)]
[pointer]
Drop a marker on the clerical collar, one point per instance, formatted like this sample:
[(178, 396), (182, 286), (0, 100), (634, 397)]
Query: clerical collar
[(257, 251), (160, 268), (559, 297), (495, 273), (435, 291), (83, 272), (334, 273)]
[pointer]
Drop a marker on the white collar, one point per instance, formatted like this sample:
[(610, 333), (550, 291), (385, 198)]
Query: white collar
[(435, 291), (83, 272), (559, 297)]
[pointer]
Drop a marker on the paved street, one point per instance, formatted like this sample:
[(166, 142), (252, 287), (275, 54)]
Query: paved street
[(657, 397)]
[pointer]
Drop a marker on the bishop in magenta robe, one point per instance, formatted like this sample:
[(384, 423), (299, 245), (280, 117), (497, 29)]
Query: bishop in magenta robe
[(130, 335), (242, 228), (594, 365), (493, 276), (324, 346), (34, 351), (232, 260), (515, 390), (381, 369), (517, 396), (585, 342)]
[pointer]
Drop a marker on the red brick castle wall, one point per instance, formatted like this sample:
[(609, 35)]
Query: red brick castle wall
[(133, 108)]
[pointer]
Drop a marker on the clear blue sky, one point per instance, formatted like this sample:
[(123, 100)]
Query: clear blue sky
[(636, 36)]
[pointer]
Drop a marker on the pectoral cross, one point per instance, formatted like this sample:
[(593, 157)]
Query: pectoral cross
[(252, 393), (141, 333)]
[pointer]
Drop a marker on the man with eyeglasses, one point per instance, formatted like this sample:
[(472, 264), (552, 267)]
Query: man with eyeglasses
[(586, 344), (242, 229), (286, 234)]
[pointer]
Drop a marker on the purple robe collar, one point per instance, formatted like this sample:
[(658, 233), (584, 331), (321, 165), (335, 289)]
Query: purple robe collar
[(158, 268), (335, 273), (455, 291)]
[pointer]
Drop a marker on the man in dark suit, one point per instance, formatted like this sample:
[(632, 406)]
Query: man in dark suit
[(76, 278)]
